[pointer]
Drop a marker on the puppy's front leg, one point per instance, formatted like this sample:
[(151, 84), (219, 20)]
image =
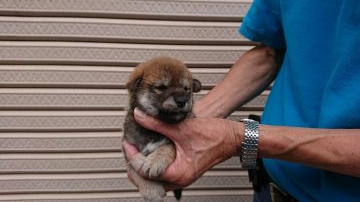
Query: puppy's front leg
[(151, 191), (157, 162)]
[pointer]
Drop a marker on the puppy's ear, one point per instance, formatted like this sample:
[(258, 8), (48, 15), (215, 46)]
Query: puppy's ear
[(196, 86), (133, 84), (135, 78)]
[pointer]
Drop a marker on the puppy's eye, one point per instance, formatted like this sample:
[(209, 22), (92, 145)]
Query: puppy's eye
[(186, 88), (161, 87)]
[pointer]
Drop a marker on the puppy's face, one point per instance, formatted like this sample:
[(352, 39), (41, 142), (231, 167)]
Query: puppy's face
[(163, 87)]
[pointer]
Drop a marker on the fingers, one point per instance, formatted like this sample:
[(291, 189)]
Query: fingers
[(154, 124), (129, 175), (170, 187), (135, 158), (130, 150)]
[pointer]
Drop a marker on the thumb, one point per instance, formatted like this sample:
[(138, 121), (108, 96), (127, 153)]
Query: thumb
[(154, 124)]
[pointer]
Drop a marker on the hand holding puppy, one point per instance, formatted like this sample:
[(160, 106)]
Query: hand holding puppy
[(200, 144)]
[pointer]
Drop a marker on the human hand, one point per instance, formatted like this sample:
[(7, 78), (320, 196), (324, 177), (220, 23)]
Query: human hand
[(200, 144)]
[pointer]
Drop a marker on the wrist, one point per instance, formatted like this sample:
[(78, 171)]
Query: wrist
[(238, 138)]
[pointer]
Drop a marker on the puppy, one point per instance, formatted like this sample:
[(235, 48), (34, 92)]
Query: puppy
[(161, 87)]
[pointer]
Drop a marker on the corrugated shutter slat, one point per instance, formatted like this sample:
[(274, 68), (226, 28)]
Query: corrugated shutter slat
[(63, 69)]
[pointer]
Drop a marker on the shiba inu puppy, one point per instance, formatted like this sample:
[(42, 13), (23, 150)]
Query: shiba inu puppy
[(161, 87)]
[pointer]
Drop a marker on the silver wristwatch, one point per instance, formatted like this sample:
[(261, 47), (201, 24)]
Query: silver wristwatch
[(249, 147)]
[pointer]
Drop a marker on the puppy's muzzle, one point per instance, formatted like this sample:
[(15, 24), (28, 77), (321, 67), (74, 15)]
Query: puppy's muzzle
[(176, 104), (175, 109), (180, 101)]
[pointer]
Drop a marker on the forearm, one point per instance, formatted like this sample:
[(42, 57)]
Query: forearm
[(329, 149), (204, 142), (248, 77)]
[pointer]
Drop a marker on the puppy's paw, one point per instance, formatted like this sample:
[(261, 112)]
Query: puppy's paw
[(150, 166), (152, 192), (154, 166), (137, 162)]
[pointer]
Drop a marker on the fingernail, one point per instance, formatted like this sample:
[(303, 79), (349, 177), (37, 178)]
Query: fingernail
[(129, 149), (139, 113), (125, 144)]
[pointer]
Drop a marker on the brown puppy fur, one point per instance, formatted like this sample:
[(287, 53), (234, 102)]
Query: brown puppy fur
[(163, 88)]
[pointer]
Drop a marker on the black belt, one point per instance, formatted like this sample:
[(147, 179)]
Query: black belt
[(278, 195), (260, 178)]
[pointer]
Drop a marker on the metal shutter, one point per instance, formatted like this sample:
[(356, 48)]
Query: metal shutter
[(63, 66)]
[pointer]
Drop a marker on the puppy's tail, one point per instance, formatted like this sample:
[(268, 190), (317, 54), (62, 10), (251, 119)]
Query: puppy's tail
[(178, 194)]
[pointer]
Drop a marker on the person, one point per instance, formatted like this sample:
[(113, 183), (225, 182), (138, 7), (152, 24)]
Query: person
[(310, 128)]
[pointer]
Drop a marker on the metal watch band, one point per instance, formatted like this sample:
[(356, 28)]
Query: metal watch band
[(249, 147)]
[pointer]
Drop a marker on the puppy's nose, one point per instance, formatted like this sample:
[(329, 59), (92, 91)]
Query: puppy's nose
[(180, 102)]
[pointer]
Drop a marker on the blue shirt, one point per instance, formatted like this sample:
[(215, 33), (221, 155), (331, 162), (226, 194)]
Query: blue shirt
[(318, 85)]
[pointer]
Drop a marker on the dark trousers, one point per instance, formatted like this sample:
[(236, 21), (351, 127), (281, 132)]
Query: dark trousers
[(263, 194)]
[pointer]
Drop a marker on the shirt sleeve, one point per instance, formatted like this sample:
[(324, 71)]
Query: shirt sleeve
[(263, 23)]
